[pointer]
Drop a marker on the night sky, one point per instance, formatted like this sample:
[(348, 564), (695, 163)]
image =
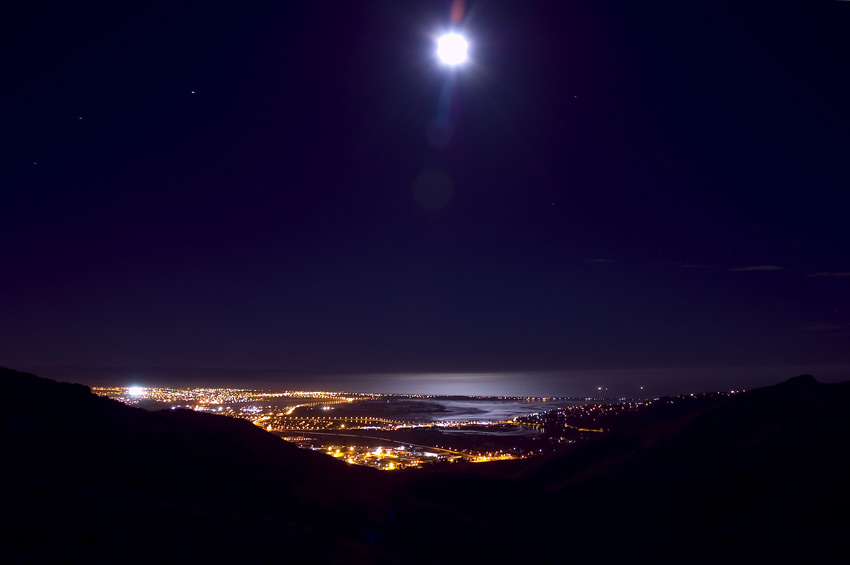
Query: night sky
[(282, 191)]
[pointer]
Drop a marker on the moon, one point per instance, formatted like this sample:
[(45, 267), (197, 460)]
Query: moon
[(451, 48)]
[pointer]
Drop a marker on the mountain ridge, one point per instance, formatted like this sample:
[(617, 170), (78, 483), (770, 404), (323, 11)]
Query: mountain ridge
[(763, 470)]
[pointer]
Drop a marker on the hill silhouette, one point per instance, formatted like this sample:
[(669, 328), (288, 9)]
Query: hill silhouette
[(84, 474), (763, 472), (757, 475)]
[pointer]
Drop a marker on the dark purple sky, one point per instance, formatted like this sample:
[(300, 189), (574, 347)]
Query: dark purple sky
[(194, 188)]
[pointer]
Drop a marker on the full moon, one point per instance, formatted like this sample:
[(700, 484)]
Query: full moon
[(451, 49)]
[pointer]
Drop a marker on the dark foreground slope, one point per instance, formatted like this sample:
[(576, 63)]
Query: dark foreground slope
[(758, 475), (755, 476), (84, 476)]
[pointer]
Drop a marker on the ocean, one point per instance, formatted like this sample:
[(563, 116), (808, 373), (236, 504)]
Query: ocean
[(600, 383)]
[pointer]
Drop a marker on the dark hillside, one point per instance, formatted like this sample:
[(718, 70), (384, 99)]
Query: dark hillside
[(84, 474), (760, 475), (766, 470)]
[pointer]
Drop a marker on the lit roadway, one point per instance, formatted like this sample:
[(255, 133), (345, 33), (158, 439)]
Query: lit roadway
[(428, 447), (292, 409)]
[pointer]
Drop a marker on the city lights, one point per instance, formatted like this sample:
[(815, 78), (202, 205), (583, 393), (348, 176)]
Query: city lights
[(365, 429)]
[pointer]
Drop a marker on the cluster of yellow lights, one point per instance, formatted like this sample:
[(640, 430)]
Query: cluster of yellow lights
[(276, 411), (404, 457)]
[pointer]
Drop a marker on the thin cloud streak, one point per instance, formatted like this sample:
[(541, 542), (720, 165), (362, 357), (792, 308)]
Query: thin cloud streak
[(840, 327), (760, 268), (829, 275)]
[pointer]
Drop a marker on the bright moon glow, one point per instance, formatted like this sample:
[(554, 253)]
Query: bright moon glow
[(136, 391), (451, 49)]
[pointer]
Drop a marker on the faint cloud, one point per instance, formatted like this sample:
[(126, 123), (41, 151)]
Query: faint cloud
[(841, 327), (829, 275), (760, 268)]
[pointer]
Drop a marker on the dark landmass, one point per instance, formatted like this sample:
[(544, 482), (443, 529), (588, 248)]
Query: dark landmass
[(397, 409), (477, 439), (755, 476)]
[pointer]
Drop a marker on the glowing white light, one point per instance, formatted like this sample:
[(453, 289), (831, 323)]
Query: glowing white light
[(451, 49), (136, 391)]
